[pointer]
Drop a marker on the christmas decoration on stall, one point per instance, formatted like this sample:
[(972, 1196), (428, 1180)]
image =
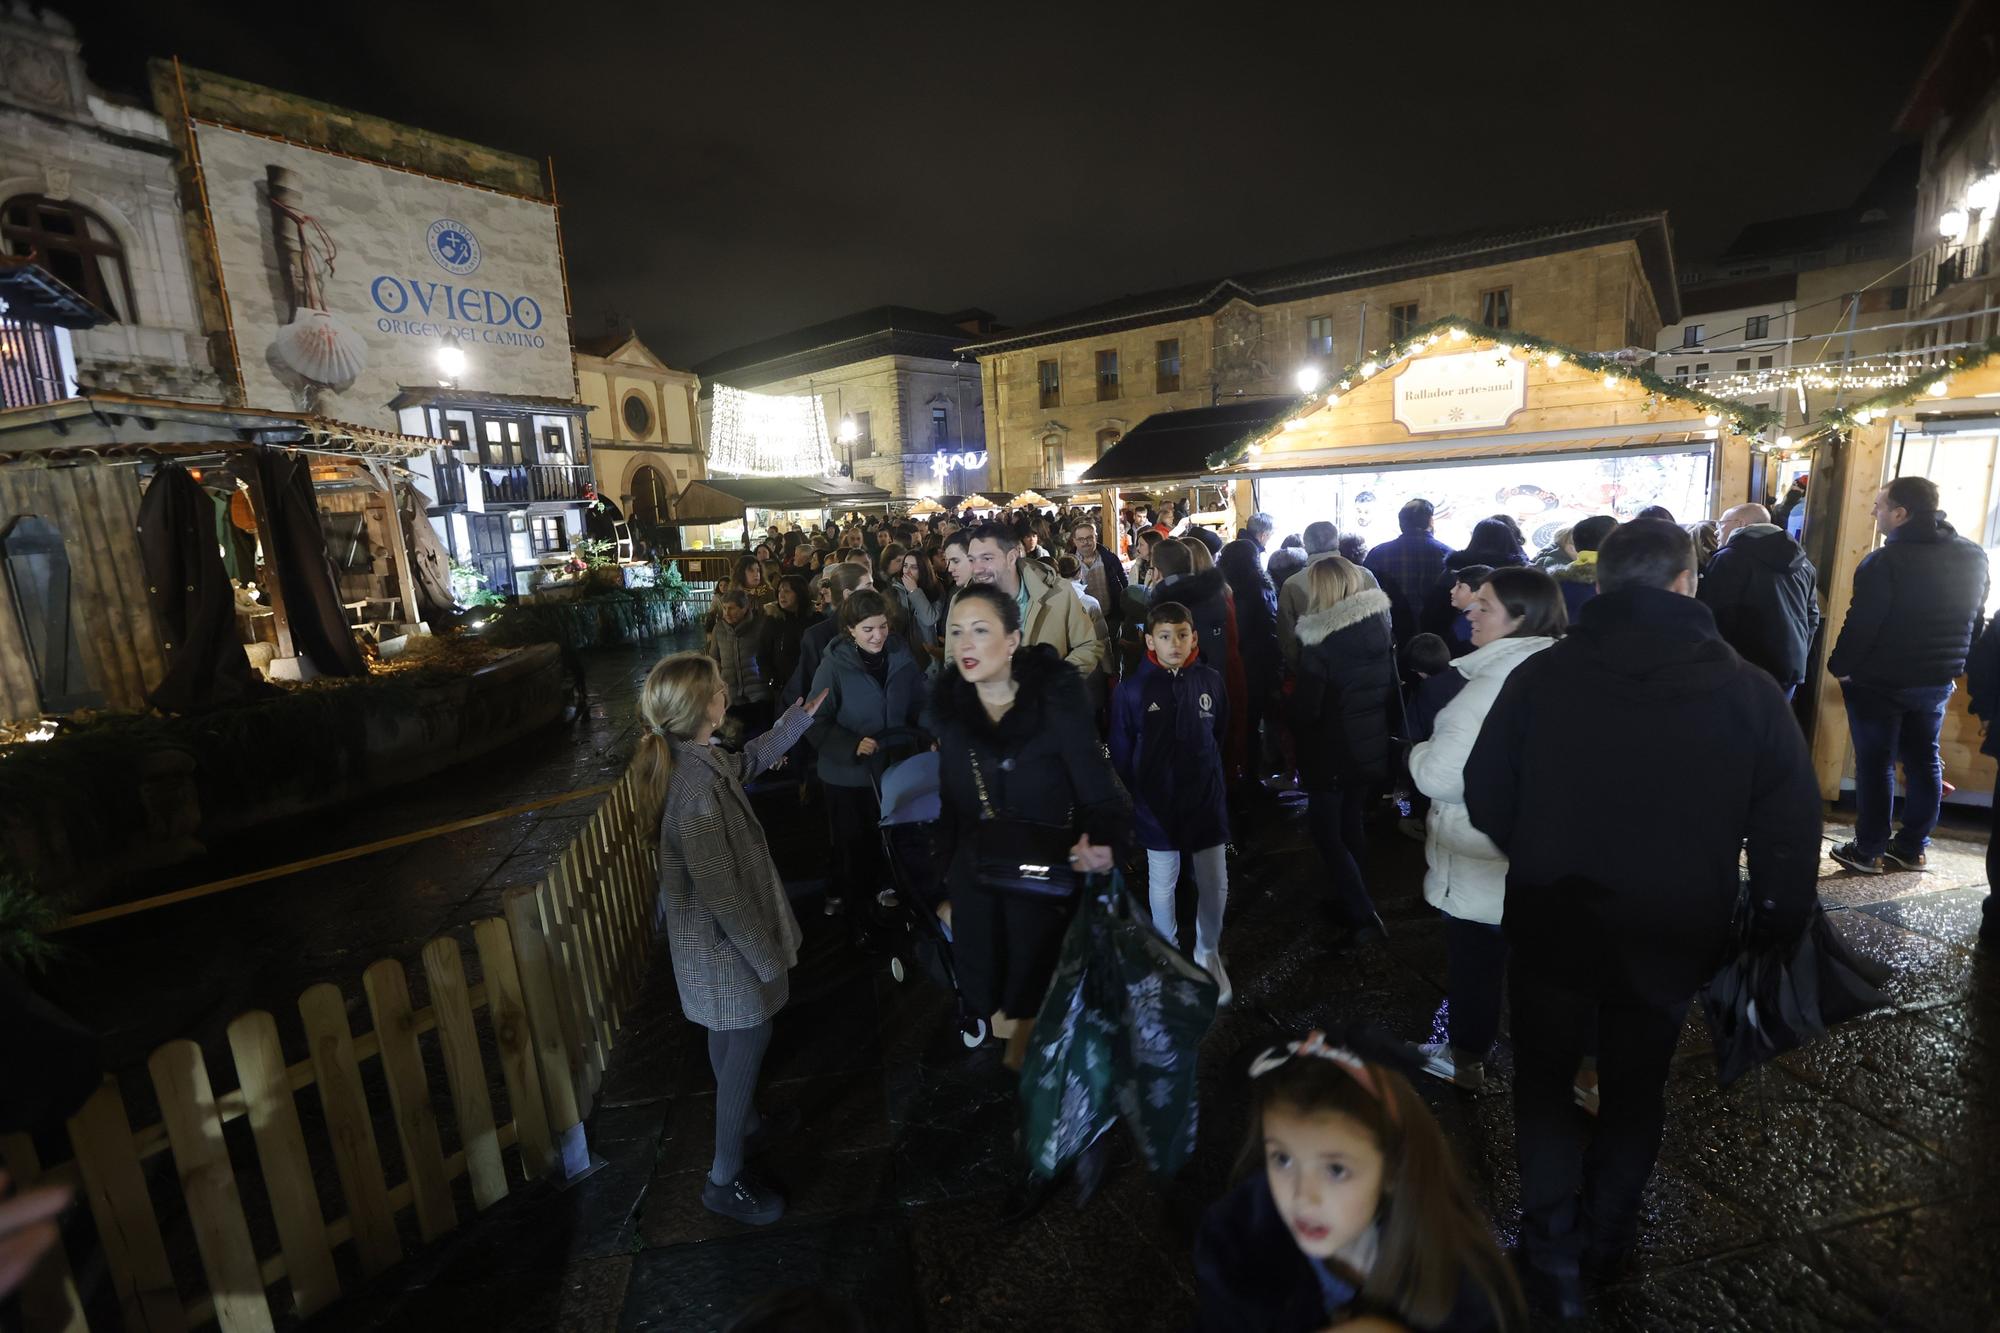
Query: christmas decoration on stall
[(768, 435), (1742, 418), (1933, 383)]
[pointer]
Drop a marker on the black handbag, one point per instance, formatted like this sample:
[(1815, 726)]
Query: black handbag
[(1023, 857)]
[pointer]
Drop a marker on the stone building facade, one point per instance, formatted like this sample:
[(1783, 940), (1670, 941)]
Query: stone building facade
[(1059, 393), (87, 184), (893, 376), (644, 440), (1954, 111)]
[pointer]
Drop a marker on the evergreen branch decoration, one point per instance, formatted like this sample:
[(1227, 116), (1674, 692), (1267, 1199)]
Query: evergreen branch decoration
[(1839, 421), (1741, 418)]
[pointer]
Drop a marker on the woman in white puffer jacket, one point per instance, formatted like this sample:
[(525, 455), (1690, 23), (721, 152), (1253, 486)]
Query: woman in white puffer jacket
[(1515, 614)]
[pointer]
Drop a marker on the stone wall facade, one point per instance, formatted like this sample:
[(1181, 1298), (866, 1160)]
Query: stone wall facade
[(1596, 298), (670, 443), (67, 141)]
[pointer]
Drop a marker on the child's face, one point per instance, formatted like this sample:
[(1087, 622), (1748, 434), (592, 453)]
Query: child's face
[(1461, 597), (733, 613), (1325, 1171), (1171, 644)]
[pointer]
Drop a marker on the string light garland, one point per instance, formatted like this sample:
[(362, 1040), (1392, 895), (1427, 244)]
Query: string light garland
[(1936, 383), (768, 435), (1742, 418)]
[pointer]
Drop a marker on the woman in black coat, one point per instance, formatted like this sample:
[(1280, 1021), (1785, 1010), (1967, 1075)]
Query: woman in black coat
[(1017, 740), (785, 623), (1493, 545), (1347, 712), (1256, 638)]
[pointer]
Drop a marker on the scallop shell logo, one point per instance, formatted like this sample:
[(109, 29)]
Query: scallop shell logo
[(1207, 703), (454, 246)]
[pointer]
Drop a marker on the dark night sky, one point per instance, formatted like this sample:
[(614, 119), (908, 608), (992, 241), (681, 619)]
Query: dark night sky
[(733, 171)]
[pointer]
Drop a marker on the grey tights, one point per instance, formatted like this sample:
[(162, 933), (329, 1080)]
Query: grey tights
[(737, 1055)]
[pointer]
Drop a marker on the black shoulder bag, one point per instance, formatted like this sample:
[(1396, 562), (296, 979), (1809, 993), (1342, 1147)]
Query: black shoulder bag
[(1023, 857)]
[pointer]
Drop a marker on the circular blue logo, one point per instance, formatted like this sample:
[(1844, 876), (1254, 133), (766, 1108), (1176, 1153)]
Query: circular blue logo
[(454, 246)]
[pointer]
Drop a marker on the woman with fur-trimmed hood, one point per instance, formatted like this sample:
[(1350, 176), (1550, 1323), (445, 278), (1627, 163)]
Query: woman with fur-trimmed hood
[(1346, 713)]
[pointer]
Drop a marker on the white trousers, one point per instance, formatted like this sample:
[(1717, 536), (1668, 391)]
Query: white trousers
[(1211, 880)]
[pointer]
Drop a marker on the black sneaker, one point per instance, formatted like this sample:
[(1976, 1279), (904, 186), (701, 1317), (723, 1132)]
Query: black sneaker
[(1903, 860), (1849, 855), (744, 1199)]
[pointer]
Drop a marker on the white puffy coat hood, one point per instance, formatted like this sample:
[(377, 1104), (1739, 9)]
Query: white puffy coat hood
[(1466, 875)]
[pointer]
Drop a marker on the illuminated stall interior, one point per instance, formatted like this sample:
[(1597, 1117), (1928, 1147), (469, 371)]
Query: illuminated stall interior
[(1481, 422)]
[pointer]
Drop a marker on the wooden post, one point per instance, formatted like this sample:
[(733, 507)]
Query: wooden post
[(208, 1184), (260, 506), (514, 1036), (410, 1094), (281, 1152), (399, 546), (538, 993), (459, 1040), (115, 1184), (351, 1128)]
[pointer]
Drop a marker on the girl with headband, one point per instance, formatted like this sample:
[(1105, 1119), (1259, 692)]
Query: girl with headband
[(1358, 1213)]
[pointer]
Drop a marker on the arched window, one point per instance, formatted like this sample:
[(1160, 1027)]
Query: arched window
[(649, 498), (1105, 439), (75, 245)]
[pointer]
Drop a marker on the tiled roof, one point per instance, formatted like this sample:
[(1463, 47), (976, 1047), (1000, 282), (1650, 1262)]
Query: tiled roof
[(1360, 268), (882, 331)]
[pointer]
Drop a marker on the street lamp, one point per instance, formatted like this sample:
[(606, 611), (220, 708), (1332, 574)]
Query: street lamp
[(451, 361), (1308, 378)]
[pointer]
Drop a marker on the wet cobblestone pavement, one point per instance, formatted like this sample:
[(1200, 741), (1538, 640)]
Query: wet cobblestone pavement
[(1852, 1186)]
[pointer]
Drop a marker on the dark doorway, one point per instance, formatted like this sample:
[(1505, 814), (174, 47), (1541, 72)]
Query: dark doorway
[(489, 550), (649, 498), (38, 578)]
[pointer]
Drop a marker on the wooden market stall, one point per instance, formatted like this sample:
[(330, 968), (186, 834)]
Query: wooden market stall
[(1944, 425), (1481, 421)]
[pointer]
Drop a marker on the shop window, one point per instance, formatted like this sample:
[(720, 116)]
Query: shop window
[(37, 571), (1107, 375), (1756, 327), (1402, 318), (1496, 308), (75, 245), (1166, 366), (940, 427), (638, 415), (1319, 335), (546, 534), (1049, 375), (1691, 335)]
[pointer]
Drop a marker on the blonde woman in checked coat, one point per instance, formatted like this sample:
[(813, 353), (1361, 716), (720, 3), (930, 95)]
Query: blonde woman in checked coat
[(730, 930)]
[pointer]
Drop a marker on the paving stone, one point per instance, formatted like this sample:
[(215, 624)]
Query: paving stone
[(1769, 1289), (1951, 915), (1926, 971), (1934, 1087), (699, 1288), (1928, 1267)]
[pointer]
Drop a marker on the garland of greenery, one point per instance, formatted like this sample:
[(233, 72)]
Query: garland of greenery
[(618, 615), (1842, 420), (1742, 418)]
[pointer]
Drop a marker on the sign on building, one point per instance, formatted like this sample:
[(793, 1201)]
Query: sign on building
[(1466, 391), (346, 278)]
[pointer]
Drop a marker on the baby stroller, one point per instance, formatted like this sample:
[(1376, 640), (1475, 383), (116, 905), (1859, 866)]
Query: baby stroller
[(906, 791)]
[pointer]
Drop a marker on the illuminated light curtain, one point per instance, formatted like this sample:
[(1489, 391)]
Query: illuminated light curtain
[(768, 435)]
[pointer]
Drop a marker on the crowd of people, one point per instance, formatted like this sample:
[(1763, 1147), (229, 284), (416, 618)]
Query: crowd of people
[(1097, 688)]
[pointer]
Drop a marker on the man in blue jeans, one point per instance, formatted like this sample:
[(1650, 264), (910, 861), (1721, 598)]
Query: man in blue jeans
[(1918, 601)]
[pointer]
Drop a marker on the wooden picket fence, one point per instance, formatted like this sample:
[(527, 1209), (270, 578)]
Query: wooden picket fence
[(559, 972)]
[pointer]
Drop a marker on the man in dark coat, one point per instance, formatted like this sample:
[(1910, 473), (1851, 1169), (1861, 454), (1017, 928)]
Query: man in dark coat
[(1763, 593), (1918, 601), (1982, 682), (1406, 566), (1622, 772)]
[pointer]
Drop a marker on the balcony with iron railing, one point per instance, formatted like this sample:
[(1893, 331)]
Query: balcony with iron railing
[(1959, 264), (461, 483), (31, 371)]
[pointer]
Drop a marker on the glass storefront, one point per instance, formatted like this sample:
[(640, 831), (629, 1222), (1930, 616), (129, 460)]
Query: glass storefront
[(1544, 493), (1962, 465)]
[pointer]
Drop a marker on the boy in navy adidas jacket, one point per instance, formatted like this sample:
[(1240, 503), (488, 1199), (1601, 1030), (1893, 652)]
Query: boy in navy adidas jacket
[(1169, 721)]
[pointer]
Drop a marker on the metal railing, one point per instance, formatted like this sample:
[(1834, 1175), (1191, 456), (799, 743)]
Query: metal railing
[(559, 481), (30, 365), (450, 476)]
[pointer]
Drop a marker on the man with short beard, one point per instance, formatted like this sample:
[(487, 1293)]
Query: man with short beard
[(1051, 612)]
